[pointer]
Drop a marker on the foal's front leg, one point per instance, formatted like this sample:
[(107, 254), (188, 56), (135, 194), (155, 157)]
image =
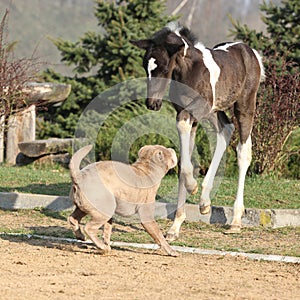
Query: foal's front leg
[(180, 216), (223, 138), (184, 125)]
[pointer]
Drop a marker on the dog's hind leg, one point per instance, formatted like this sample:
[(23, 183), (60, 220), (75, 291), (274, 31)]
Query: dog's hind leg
[(107, 232), (74, 220), (91, 229)]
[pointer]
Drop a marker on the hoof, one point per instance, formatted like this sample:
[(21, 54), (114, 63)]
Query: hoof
[(204, 209), (234, 229), (195, 190), (171, 237)]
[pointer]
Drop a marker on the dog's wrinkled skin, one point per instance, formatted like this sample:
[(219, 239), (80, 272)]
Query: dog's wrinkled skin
[(104, 188)]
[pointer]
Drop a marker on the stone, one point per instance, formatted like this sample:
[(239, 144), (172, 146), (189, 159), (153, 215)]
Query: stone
[(39, 148), (46, 92), (60, 158)]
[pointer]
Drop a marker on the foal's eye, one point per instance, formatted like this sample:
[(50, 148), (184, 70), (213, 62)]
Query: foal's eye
[(165, 71)]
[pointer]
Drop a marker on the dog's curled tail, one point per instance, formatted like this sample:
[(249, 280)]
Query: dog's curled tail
[(75, 161)]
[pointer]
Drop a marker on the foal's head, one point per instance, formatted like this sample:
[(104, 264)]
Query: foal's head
[(159, 61)]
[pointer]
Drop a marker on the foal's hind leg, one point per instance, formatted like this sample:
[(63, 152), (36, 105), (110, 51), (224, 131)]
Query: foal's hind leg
[(225, 129), (244, 156)]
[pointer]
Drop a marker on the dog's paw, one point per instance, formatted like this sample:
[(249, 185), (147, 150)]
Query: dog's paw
[(169, 250), (174, 253), (80, 235), (104, 250)]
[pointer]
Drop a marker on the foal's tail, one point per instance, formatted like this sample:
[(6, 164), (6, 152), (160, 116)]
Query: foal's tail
[(76, 159), (262, 69)]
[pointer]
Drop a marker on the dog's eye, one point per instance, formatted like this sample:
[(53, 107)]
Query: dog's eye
[(160, 155)]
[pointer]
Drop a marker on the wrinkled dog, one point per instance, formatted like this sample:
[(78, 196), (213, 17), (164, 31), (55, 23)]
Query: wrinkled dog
[(107, 187)]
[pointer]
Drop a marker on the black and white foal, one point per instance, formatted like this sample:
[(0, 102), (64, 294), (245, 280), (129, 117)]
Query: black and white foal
[(225, 76)]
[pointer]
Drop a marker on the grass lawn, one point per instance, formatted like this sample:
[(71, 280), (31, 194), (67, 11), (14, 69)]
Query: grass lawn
[(260, 192)]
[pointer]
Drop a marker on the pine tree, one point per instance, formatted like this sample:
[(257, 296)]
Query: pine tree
[(283, 31), (107, 54)]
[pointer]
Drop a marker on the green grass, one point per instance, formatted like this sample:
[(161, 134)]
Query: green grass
[(260, 192), (50, 180)]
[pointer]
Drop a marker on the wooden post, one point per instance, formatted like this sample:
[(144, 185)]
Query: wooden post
[(2, 120), (21, 128)]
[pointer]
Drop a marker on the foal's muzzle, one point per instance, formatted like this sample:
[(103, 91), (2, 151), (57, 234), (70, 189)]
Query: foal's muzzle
[(154, 103)]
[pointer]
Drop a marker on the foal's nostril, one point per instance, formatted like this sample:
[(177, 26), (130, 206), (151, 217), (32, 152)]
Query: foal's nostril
[(153, 104), (149, 104)]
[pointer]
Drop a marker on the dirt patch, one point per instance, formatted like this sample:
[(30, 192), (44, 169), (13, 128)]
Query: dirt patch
[(43, 269)]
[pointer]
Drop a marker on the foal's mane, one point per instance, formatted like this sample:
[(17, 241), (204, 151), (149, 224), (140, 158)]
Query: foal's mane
[(159, 37), (188, 35)]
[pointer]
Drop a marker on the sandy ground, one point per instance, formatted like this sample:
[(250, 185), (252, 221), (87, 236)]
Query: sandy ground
[(43, 269), (37, 269)]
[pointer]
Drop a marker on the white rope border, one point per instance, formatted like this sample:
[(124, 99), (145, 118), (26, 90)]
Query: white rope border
[(252, 256)]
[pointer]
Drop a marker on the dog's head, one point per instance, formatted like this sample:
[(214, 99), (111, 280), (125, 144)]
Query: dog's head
[(159, 155)]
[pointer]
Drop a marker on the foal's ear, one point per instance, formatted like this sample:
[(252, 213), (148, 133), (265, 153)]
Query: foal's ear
[(173, 43), (142, 44)]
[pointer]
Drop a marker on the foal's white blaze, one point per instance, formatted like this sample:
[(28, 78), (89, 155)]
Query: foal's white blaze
[(213, 68), (151, 66), (226, 46)]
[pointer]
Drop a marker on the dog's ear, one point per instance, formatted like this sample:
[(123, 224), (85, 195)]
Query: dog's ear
[(143, 151)]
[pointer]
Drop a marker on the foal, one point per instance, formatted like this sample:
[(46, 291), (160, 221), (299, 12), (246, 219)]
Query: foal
[(225, 76)]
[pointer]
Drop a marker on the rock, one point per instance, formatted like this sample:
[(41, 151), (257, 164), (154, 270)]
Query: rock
[(46, 92), (60, 158), (39, 148)]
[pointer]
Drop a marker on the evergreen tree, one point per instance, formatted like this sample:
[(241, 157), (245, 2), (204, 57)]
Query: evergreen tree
[(283, 31), (107, 54)]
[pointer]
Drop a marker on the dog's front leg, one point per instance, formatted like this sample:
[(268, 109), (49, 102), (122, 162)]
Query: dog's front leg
[(153, 229)]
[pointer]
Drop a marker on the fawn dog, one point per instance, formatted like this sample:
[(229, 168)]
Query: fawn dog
[(105, 188)]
